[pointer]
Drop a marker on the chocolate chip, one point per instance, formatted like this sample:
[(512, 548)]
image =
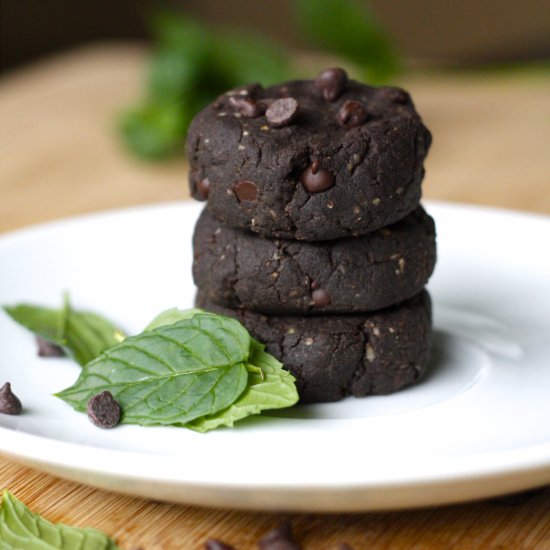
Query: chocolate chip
[(281, 545), (320, 297), (48, 349), (282, 112), (332, 83), (246, 190), (351, 114), (203, 188), (213, 544), (280, 538), (397, 95), (9, 402), (315, 179), (247, 107), (103, 410)]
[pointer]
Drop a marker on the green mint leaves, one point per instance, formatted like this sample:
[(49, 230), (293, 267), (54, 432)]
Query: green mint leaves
[(171, 375), (347, 28), (191, 65), (269, 385), (81, 334), (188, 368), (21, 528)]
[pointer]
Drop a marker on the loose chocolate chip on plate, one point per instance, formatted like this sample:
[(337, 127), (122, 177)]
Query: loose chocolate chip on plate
[(203, 188), (9, 402), (351, 114), (320, 297), (103, 410), (247, 107), (282, 112), (332, 83), (246, 190), (316, 179), (213, 544), (48, 349)]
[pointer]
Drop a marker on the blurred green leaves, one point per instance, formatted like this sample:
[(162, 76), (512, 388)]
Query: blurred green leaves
[(192, 64), (348, 29)]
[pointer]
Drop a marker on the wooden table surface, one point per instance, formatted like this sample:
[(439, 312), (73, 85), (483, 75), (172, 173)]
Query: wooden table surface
[(60, 156)]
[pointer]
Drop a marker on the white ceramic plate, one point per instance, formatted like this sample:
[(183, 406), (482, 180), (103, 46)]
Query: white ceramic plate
[(478, 425)]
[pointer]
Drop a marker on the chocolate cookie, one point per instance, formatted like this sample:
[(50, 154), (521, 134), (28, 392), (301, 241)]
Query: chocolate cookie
[(333, 356), (238, 269), (309, 160)]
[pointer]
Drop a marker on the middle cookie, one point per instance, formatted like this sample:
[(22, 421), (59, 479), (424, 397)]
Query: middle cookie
[(238, 269)]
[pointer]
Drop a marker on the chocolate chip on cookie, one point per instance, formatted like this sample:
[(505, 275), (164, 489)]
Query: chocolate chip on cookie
[(332, 83)]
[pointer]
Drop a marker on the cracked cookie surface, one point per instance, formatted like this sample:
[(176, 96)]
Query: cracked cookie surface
[(238, 269), (335, 356), (320, 169)]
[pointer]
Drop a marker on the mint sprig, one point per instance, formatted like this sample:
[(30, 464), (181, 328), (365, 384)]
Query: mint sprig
[(269, 385), (21, 528), (170, 375), (187, 368), (82, 334)]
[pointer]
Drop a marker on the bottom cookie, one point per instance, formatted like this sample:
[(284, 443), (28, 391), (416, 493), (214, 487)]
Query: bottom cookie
[(335, 356)]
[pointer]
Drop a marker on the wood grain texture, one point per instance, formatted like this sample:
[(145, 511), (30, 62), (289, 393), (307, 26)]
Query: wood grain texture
[(59, 156)]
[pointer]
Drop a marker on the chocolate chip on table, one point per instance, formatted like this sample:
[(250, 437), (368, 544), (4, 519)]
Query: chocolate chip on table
[(213, 544), (282, 112), (9, 402), (351, 114), (103, 410), (316, 179), (247, 107), (332, 83), (203, 188), (280, 538), (48, 349), (320, 297), (246, 190)]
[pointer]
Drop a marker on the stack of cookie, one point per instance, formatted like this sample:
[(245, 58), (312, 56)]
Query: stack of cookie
[(313, 236)]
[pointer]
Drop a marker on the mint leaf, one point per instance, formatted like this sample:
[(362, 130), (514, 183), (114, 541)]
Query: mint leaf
[(271, 388), (170, 375), (21, 528), (190, 66), (171, 316), (156, 129), (347, 28), (83, 334), (241, 57), (269, 385), (46, 322)]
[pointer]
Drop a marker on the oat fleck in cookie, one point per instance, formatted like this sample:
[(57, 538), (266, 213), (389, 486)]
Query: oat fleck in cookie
[(322, 159)]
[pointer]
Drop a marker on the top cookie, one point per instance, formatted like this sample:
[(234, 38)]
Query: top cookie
[(310, 160)]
